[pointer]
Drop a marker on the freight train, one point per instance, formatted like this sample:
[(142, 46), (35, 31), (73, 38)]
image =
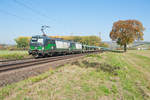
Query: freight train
[(43, 46)]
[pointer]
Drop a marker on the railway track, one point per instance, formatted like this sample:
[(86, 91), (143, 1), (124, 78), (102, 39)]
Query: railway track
[(11, 60), (31, 62)]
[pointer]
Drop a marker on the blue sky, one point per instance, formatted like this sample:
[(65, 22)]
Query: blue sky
[(69, 17)]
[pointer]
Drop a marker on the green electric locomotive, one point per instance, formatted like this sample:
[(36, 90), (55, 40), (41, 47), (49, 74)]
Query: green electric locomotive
[(41, 46)]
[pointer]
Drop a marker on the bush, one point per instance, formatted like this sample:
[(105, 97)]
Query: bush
[(22, 42)]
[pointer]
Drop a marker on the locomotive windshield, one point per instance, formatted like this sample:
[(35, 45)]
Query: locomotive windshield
[(37, 40), (34, 40), (40, 41)]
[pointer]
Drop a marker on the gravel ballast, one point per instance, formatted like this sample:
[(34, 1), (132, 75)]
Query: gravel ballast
[(17, 75)]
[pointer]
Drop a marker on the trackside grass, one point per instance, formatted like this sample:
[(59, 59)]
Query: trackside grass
[(106, 76), (5, 54)]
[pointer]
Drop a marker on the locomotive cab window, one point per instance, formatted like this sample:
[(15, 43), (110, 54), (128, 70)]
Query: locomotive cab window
[(34, 40), (37, 40), (40, 40)]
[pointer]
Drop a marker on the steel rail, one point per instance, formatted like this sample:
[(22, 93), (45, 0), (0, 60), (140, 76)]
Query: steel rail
[(11, 60), (23, 64)]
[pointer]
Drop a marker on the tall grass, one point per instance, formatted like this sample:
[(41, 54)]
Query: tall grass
[(6, 54)]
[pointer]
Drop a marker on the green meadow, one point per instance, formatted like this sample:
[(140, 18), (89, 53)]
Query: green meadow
[(105, 76), (6, 54)]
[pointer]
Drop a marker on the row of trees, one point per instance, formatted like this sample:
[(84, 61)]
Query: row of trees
[(123, 32), (88, 40), (23, 42)]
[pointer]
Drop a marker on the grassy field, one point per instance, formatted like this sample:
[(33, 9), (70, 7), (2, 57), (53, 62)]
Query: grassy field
[(5, 54), (106, 76)]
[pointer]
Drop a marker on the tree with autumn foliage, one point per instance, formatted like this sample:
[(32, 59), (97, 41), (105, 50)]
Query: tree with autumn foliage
[(125, 32)]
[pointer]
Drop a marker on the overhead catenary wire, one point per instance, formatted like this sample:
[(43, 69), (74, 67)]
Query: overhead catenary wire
[(31, 9), (18, 17), (35, 11), (11, 14)]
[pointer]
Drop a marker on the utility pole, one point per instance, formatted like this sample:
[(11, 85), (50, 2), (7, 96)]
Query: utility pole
[(71, 34), (43, 28), (100, 35)]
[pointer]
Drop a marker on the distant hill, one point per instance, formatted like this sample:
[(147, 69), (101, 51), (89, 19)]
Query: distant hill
[(136, 44)]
